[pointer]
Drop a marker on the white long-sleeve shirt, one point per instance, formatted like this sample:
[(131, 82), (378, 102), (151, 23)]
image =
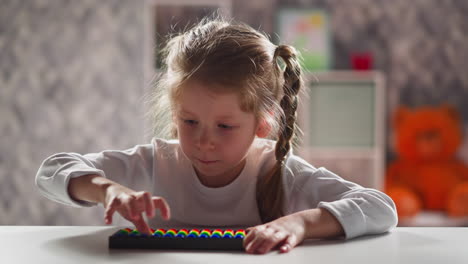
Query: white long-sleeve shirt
[(162, 169)]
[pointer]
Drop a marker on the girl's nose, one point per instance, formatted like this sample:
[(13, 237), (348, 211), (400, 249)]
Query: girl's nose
[(205, 140)]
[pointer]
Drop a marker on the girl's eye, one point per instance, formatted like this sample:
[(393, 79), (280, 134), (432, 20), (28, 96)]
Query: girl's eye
[(190, 122), (223, 126)]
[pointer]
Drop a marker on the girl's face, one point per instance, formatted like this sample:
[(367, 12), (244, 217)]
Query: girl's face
[(214, 133)]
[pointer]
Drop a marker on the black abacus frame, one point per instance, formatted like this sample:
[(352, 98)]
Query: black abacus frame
[(119, 241)]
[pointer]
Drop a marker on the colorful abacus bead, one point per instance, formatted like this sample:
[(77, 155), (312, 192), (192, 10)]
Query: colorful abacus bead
[(228, 233), (182, 233), (159, 232), (194, 233), (135, 233), (170, 233), (239, 234), (217, 233), (205, 233), (122, 232)]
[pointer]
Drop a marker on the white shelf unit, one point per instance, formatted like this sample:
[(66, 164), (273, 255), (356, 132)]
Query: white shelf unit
[(343, 121)]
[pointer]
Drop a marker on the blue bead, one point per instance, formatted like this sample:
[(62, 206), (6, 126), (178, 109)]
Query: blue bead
[(204, 235), (121, 233), (192, 235), (227, 236)]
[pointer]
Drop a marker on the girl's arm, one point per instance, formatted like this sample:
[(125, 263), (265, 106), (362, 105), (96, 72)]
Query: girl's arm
[(115, 197), (321, 204), (320, 223), (288, 231), (89, 188), (131, 168), (85, 180)]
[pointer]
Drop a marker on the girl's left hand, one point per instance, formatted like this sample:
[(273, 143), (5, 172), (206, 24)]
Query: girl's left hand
[(283, 233)]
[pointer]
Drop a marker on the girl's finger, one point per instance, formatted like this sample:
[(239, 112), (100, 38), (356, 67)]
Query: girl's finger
[(247, 239), (252, 246), (272, 241), (257, 241), (141, 225), (288, 244), (252, 232), (149, 206), (139, 203), (130, 206), (110, 209), (163, 207), (263, 244)]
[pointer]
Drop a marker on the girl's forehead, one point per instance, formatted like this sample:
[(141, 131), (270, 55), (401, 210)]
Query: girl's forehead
[(207, 87), (202, 101), (200, 93), (224, 115)]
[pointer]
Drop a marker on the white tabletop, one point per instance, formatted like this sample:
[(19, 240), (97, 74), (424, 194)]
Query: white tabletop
[(49, 244)]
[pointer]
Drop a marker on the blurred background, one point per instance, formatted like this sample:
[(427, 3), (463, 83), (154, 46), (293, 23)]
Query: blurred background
[(73, 76)]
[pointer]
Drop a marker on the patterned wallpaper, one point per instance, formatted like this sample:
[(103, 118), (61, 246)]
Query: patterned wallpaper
[(71, 76)]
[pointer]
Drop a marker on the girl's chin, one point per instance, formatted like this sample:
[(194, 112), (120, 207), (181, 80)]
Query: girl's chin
[(206, 170)]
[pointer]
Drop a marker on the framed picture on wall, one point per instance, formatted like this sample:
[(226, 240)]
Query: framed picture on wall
[(165, 17), (308, 31)]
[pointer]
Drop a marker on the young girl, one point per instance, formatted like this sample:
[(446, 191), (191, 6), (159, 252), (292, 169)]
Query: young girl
[(227, 93)]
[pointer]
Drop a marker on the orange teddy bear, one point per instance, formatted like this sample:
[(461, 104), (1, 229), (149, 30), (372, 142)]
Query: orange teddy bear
[(427, 174)]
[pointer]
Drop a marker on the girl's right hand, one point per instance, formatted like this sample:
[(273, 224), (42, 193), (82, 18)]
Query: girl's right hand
[(131, 205)]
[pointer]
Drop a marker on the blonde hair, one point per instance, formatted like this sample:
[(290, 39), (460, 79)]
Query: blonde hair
[(237, 59)]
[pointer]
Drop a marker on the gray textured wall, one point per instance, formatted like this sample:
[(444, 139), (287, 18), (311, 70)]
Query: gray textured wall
[(71, 79), (71, 76)]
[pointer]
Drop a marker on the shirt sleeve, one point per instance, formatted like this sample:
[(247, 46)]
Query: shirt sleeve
[(123, 167), (360, 211)]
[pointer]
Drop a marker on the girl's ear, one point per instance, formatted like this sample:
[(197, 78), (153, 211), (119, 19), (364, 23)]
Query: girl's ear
[(263, 129)]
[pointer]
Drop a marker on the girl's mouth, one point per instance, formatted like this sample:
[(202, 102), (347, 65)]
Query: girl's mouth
[(207, 161)]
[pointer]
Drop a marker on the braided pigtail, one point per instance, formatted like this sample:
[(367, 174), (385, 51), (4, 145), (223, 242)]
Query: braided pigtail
[(270, 190)]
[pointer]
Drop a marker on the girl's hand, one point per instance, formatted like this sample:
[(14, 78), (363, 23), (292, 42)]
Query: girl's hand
[(131, 205), (283, 233)]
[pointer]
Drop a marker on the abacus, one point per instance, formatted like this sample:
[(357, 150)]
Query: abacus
[(206, 239)]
